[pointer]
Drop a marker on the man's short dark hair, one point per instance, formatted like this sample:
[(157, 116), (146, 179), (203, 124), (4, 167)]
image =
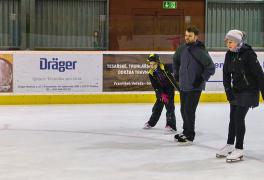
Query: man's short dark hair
[(193, 29)]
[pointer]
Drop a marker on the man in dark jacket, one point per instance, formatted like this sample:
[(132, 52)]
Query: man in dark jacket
[(164, 86), (243, 78), (192, 66)]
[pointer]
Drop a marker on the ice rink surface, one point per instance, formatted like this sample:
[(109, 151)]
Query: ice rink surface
[(107, 142)]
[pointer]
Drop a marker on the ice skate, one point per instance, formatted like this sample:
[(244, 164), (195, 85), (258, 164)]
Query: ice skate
[(147, 126), (235, 156), (227, 149), (182, 140), (169, 130)]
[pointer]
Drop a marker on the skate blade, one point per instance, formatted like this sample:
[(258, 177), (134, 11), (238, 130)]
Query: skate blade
[(147, 128), (220, 156), (176, 141), (170, 132), (234, 160), (188, 143)]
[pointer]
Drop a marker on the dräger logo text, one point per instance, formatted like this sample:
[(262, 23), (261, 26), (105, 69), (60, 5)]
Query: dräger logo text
[(55, 64)]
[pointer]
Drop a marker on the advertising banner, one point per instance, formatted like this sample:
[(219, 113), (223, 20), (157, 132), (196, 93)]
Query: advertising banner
[(128, 72), (215, 83), (53, 73), (6, 73), (261, 59)]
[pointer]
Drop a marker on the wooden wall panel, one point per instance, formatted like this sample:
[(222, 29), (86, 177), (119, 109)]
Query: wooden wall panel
[(145, 25)]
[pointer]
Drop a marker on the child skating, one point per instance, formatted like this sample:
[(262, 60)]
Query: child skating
[(164, 86)]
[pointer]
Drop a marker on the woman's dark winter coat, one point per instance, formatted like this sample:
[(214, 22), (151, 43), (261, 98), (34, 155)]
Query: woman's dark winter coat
[(243, 77)]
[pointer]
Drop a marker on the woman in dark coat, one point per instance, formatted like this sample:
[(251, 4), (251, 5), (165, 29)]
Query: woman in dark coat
[(243, 79)]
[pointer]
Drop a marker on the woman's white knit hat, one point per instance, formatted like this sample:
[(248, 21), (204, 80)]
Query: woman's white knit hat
[(235, 35)]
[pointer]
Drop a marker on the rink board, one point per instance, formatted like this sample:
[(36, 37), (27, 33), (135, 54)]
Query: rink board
[(98, 98), (63, 77)]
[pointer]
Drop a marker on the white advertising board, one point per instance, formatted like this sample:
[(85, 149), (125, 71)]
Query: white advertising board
[(261, 59), (57, 73), (215, 83)]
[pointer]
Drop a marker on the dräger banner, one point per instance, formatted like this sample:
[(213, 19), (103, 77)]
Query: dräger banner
[(6, 72), (128, 72), (52, 73)]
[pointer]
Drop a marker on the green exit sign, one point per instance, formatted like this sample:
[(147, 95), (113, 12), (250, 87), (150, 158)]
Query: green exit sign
[(169, 4)]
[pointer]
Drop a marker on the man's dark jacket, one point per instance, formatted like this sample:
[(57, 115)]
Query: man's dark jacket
[(192, 63)]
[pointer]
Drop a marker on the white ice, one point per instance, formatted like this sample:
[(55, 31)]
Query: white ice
[(107, 142)]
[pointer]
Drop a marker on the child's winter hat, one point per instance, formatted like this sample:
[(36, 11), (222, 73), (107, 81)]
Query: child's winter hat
[(235, 35), (153, 57)]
